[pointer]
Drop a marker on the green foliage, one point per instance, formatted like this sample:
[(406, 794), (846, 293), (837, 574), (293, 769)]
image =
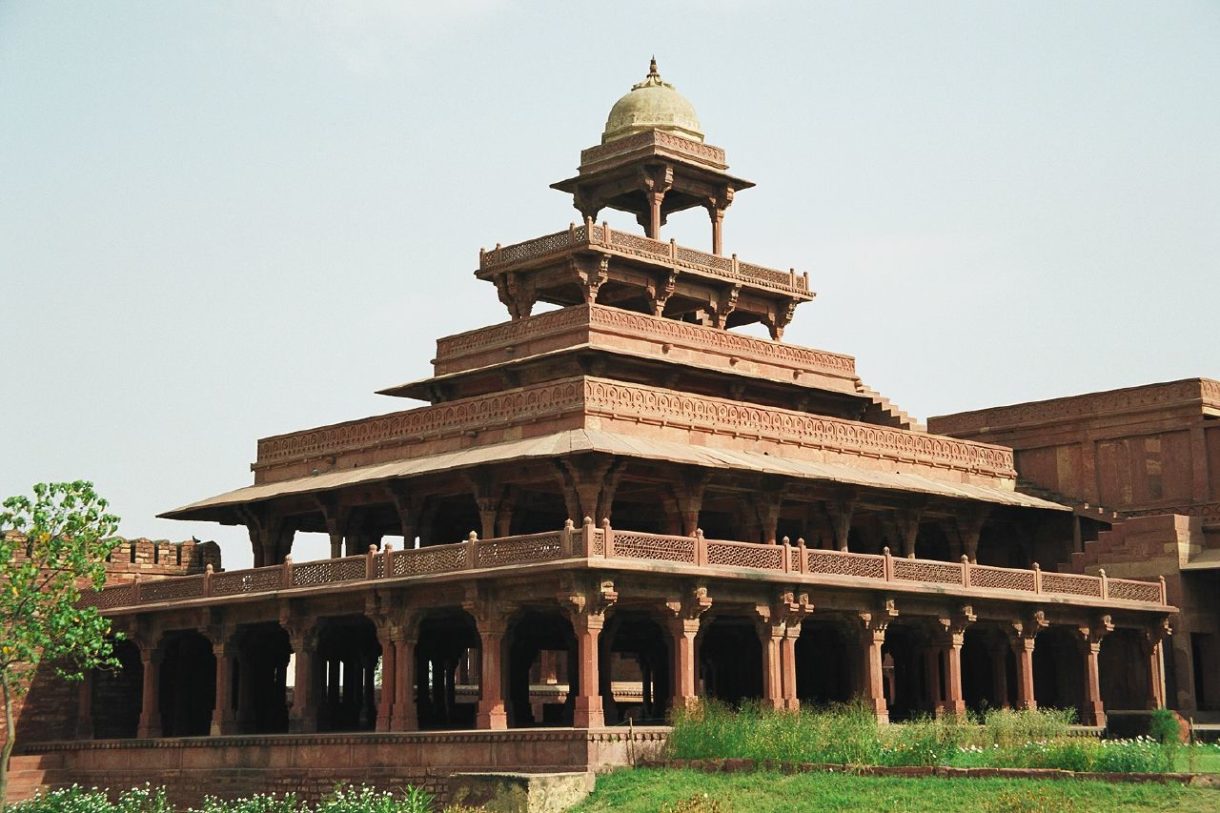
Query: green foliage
[(699, 803), (153, 800), (849, 735), (1164, 727), (80, 800), (51, 547), (649, 790)]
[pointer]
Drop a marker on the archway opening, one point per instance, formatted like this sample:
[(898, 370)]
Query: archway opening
[(117, 694), (905, 673), (260, 679), (188, 684), (1058, 669), (824, 658), (541, 670), (635, 670), (989, 670), (348, 655), (447, 670), (1122, 667), (730, 660)]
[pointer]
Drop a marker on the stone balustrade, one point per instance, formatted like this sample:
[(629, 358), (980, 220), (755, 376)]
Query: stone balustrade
[(604, 239), (604, 546)]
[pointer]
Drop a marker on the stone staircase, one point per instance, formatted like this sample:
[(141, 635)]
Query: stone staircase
[(883, 411), (31, 773)]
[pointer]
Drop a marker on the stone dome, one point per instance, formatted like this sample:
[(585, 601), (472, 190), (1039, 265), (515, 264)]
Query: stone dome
[(652, 105)]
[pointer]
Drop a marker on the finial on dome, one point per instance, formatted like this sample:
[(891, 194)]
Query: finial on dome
[(652, 68)]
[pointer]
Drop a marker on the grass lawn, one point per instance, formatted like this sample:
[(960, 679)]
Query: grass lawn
[(1206, 760), (651, 790)]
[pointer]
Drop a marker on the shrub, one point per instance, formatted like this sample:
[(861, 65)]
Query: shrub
[(1164, 727), (258, 803), (364, 799)]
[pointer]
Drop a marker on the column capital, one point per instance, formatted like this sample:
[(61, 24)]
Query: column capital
[(586, 604), (1091, 635), (689, 605)]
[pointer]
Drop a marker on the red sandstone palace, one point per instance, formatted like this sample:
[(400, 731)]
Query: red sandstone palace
[(618, 505)]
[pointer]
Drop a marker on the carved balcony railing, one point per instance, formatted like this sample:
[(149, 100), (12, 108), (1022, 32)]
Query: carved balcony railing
[(602, 546), (605, 239)]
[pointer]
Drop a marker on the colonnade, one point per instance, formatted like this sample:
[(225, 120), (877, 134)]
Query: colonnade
[(778, 652)]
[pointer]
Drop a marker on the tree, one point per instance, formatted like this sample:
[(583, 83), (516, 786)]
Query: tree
[(51, 548)]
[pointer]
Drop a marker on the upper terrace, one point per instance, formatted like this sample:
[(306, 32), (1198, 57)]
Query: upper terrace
[(594, 263)]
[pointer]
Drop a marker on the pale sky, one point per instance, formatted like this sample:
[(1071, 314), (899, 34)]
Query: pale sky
[(225, 220)]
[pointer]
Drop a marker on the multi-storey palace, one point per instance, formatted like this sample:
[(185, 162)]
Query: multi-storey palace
[(608, 508)]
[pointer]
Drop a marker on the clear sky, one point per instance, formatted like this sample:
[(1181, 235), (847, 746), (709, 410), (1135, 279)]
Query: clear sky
[(225, 220)]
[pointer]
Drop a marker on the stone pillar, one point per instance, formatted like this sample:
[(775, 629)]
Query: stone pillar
[(491, 617), (770, 634), (1023, 648), (587, 711), (1092, 712), (682, 672), (223, 721), (368, 697), (684, 613), (84, 713), (953, 702), (307, 679), (150, 707), (404, 715), (336, 544), (872, 680), (389, 681), (788, 666)]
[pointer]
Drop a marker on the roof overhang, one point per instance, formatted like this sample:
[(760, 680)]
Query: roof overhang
[(577, 441)]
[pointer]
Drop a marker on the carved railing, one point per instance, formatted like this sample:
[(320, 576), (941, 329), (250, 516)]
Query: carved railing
[(592, 544), (603, 238)]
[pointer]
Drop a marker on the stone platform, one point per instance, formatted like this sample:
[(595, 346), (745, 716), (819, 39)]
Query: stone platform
[(311, 765)]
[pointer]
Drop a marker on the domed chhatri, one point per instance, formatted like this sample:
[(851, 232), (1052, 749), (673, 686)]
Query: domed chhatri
[(652, 105)]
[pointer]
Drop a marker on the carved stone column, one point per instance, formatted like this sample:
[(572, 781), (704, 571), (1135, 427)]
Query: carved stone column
[(303, 637), (684, 614), (150, 706), (873, 625), (951, 636), (770, 634), (1021, 636), (587, 610), (1092, 712), (224, 720), (404, 716), (491, 617), (1152, 649)]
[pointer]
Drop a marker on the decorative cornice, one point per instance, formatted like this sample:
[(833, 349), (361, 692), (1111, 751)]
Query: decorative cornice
[(641, 403), (1193, 391), (721, 416), (657, 139)]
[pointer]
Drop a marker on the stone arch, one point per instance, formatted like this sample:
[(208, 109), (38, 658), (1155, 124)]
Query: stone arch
[(730, 659), (541, 669), (188, 684), (634, 671), (446, 670)]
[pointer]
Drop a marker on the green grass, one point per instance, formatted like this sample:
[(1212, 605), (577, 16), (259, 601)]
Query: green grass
[(652, 790), (850, 735), (1198, 759)]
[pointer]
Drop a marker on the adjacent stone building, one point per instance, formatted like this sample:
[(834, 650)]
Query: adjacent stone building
[(1141, 469)]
